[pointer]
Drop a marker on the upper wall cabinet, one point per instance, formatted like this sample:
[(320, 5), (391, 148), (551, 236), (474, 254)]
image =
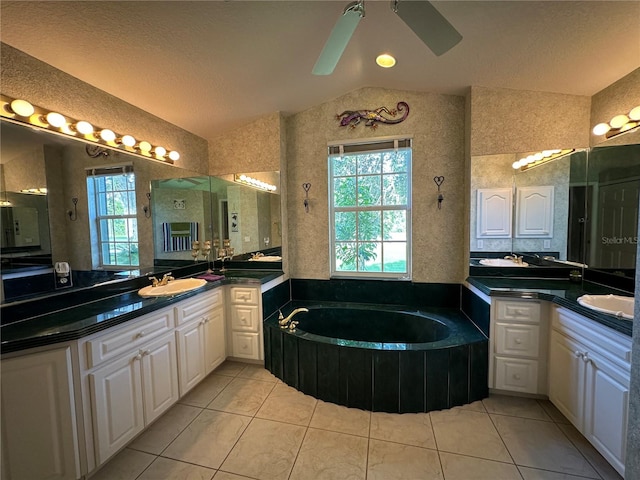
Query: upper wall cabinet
[(494, 213), (534, 211)]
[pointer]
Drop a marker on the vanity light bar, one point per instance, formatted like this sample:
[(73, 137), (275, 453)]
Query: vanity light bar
[(619, 124), (22, 111), (540, 158), (34, 191), (253, 182)]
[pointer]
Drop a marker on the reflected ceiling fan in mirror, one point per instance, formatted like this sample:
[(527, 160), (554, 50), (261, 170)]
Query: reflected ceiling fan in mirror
[(421, 16)]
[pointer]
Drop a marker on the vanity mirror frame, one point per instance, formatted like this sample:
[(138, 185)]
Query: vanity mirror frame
[(59, 203)]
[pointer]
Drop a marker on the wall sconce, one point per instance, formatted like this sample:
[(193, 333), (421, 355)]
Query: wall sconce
[(540, 158), (619, 124), (253, 182), (147, 208), (22, 111), (73, 214)]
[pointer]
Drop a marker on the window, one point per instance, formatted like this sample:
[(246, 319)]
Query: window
[(112, 203), (370, 209)]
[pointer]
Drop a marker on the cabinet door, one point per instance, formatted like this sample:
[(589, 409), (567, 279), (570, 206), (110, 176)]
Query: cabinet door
[(190, 355), (215, 339), (606, 409), (534, 212), (39, 438), (566, 377), (246, 345), (494, 206), (159, 376), (116, 396)]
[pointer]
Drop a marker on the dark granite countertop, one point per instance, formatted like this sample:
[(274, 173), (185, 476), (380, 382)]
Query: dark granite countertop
[(560, 292), (84, 319)]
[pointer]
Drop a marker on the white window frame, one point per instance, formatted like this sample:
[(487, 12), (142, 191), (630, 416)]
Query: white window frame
[(355, 147), (95, 217)]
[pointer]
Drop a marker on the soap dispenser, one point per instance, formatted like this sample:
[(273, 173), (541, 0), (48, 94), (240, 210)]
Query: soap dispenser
[(63, 275)]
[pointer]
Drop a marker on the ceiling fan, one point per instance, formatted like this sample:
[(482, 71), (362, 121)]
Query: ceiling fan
[(420, 16)]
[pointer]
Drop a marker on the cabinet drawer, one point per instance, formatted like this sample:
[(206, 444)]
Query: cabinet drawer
[(111, 344), (518, 339), (519, 375), (243, 295), (517, 310), (246, 345), (245, 318), (198, 307)]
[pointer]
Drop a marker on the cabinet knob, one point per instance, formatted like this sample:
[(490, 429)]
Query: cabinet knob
[(140, 334), (578, 354), (516, 376), (146, 352), (518, 341), (137, 357), (586, 359), (244, 347)]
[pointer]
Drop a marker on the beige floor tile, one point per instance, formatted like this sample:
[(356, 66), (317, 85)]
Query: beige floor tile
[(242, 396), (167, 469), (266, 450), (230, 368), (535, 474), (407, 428), (328, 455), (165, 429), (468, 433), (208, 439), (460, 467), (257, 372), (286, 404), (515, 406), (204, 393), (539, 444), (228, 476), (597, 461), (553, 412), (126, 465), (475, 406), (329, 416), (393, 461)]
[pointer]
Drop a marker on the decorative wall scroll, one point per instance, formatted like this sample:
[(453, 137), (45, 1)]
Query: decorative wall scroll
[(372, 118)]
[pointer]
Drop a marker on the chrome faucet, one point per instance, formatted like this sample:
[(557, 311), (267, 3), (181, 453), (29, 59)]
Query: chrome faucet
[(284, 321)]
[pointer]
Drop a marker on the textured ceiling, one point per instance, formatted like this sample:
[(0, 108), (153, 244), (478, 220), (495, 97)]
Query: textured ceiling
[(210, 66)]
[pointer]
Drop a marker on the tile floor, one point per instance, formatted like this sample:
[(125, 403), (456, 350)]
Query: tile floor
[(243, 423)]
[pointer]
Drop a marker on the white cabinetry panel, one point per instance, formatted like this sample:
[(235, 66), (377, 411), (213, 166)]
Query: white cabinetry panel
[(534, 211), (494, 206)]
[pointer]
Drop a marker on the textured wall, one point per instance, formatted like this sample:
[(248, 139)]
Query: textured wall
[(436, 123), (620, 97), (255, 147), (506, 121), (23, 76)]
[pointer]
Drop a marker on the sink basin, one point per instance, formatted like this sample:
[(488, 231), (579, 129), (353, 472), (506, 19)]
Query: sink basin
[(501, 262), (174, 287), (266, 258), (612, 304)]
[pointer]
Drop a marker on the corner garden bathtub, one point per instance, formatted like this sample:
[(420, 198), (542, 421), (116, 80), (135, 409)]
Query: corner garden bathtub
[(380, 357)]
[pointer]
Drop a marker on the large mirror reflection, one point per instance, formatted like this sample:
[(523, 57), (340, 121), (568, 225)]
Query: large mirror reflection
[(74, 217)]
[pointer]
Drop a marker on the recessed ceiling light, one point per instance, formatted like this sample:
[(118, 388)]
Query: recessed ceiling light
[(385, 60)]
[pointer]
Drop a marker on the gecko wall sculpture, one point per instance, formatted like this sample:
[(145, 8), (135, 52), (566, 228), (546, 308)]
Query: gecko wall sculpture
[(352, 118)]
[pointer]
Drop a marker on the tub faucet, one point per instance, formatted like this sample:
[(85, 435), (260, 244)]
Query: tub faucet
[(284, 321)]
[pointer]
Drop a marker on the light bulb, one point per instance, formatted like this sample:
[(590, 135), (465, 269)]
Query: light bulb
[(84, 128), (635, 113), (128, 140), (55, 119), (145, 147), (107, 135), (173, 155), (160, 151), (618, 121), (516, 165), (385, 60), (22, 108), (601, 129)]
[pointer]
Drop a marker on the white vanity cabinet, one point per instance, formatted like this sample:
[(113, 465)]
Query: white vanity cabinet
[(39, 433), (589, 375), (200, 334), (517, 345), (131, 375), (245, 314)]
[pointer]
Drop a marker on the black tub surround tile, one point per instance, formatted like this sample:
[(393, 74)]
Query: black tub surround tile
[(378, 376), (560, 292), (390, 292), (476, 309), (65, 318), (275, 298)]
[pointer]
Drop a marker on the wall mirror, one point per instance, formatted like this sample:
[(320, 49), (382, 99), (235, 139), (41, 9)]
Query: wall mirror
[(43, 227)]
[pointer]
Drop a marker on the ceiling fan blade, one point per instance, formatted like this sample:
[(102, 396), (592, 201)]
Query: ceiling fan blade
[(339, 38), (428, 24)]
